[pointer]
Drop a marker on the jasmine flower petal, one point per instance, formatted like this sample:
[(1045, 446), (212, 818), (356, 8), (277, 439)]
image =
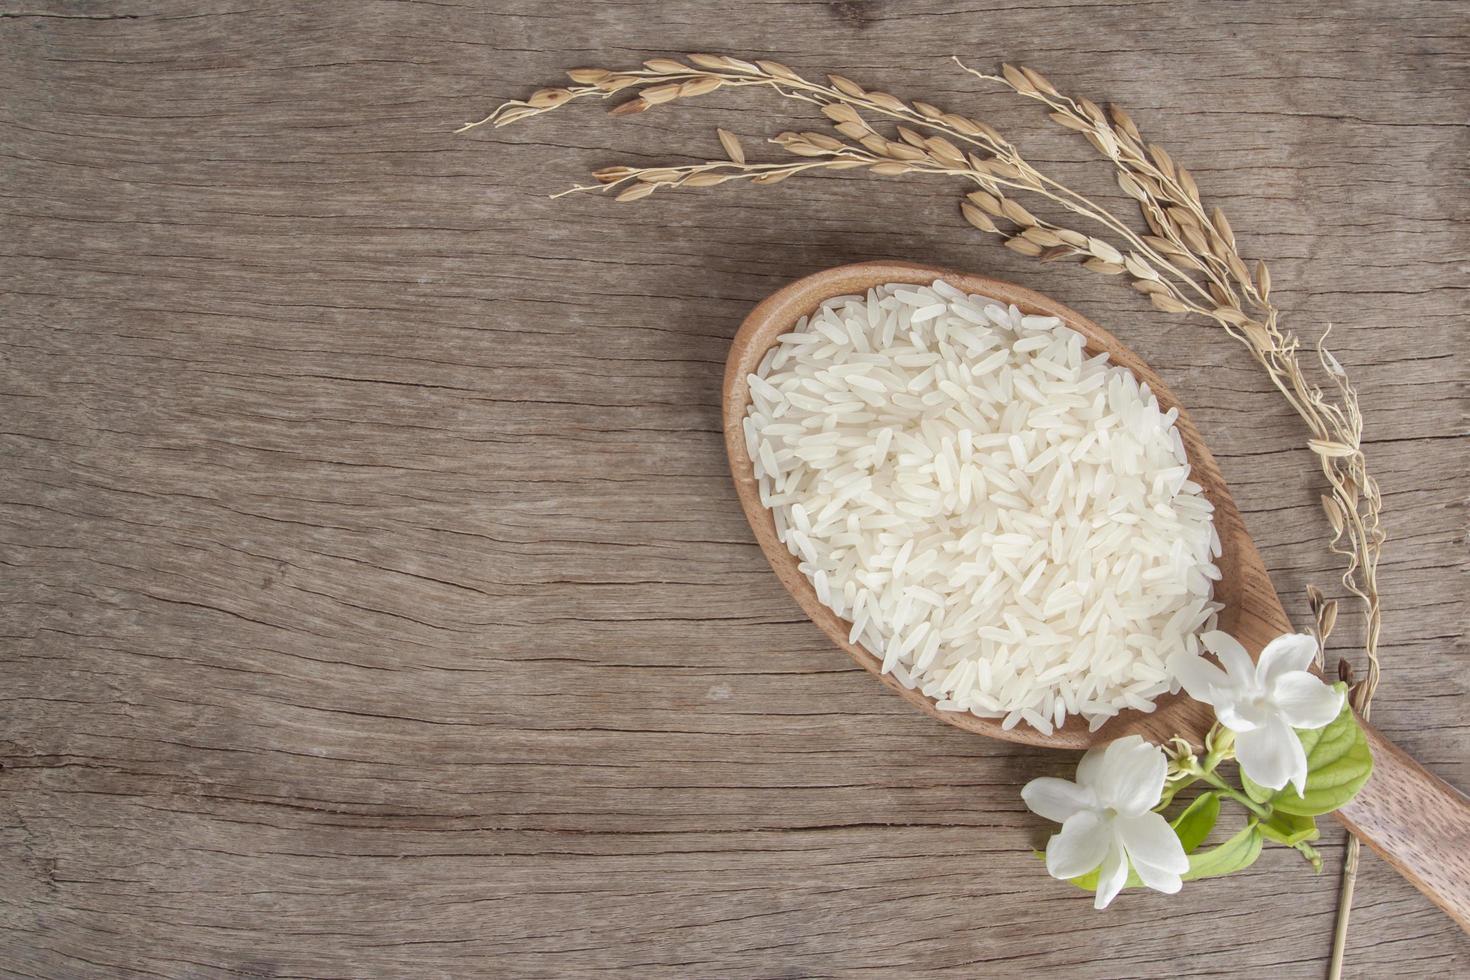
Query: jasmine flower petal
[(1057, 799), (1272, 755), (1080, 847), (1232, 655), (1136, 777), (1198, 676), (1158, 879), (1304, 700), (1114, 874), (1150, 840), (1290, 652)]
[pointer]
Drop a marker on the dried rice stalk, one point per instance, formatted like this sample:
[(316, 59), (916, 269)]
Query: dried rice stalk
[(1187, 262)]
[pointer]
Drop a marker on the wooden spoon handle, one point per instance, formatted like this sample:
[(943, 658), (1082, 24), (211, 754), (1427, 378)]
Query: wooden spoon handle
[(1416, 822)]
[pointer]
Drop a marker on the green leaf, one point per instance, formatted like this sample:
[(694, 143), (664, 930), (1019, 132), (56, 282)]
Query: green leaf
[(1235, 854), (1289, 828), (1197, 820), (1338, 764), (1254, 790)]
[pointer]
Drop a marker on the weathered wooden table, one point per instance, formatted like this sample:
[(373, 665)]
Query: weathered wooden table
[(375, 599)]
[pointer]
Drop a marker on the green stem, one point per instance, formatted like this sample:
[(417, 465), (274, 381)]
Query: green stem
[(1227, 790), (1172, 790)]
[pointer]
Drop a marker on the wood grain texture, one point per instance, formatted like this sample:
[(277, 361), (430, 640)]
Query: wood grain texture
[(1416, 822), (375, 600)]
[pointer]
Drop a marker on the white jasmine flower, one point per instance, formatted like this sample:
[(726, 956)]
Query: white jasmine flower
[(1262, 702), (1107, 819)]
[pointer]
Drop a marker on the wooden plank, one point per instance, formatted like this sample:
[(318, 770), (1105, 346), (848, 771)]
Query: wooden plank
[(376, 601)]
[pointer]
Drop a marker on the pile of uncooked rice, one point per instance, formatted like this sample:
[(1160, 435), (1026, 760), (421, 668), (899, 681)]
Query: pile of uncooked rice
[(1007, 522)]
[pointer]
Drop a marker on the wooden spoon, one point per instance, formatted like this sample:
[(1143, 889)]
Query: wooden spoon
[(1417, 822)]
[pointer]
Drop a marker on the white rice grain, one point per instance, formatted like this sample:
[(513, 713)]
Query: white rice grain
[(1006, 520)]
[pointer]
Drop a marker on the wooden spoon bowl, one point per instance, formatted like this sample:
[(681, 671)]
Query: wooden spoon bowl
[(1252, 612), (1420, 824)]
